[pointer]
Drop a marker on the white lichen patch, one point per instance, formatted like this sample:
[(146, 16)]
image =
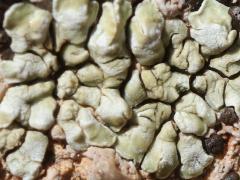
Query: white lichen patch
[(107, 43), (134, 142), (96, 133), (90, 75), (88, 96), (162, 157), (73, 132), (10, 138), (193, 157), (211, 27), (113, 109), (164, 85), (185, 53), (146, 28), (82, 129), (29, 105), (187, 57), (134, 91), (232, 96), (28, 27), (228, 63), (67, 84), (193, 115), (73, 18), (26, 161), (26, 67), (74, 55), (175, 32), (213, 85)]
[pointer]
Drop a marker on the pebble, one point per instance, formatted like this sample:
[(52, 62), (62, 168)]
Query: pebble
[(232, 176), (214, 144), (228, 116)]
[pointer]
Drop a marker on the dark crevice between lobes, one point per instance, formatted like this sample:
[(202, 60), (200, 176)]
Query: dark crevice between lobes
[(50, 45), (194, 5), (193, 89), (17, 124), (5, 51), (234, 11), (133, 60), (93, 27), (171, 118), (150, 101), (179, 99)]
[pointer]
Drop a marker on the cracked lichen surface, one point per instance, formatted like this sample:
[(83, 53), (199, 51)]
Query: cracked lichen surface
[(134, 78)]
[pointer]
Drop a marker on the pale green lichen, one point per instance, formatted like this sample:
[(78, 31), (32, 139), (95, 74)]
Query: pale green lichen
[(193, 157), (73, 18), (164, 85), (134, 142), (146, 28), (81, 127), (20, 101), (28, 26), (193, 115), (26, 161), (213, 34), (162, 157), (107, 42), (187, 57), (110, 97), (113, 109), (228, 63), (134, 91), (214, 91), (232, 97), (26, 67), (10, 138)]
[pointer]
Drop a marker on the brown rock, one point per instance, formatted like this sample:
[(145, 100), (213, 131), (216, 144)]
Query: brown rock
[(228, 116), (214, 144), (232, 176), (235, 13), (105, 164)]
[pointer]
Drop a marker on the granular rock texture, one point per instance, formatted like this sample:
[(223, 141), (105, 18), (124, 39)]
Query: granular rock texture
[(120, 89), (214, 144)]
